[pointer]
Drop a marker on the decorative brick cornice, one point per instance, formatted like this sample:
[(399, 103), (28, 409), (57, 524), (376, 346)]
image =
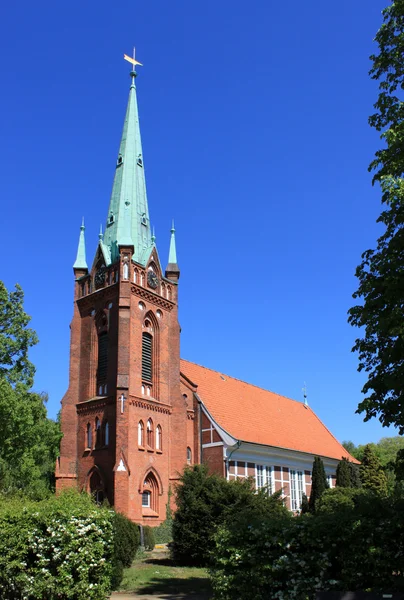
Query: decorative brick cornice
[(152, 298), (94, 405), (150, 406), (98, 298)]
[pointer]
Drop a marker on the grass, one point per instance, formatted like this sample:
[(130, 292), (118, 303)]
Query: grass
[(154, 573)]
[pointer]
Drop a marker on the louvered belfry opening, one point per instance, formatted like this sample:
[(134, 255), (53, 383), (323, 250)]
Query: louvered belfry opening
[(102, 369), (147, 357)]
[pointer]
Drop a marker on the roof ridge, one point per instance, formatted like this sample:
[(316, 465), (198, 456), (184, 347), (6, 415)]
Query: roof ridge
[(247, 383)]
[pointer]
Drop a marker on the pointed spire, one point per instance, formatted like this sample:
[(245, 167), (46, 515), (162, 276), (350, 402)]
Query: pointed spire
[(153, 237), (81, 262), (172, 255), (100, 235), (172, 270), (129, 185)]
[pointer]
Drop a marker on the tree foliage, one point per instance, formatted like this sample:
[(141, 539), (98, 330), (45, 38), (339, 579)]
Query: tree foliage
[(381, 272), (29, 441), (206, 501), (343, 474), (319, 483), (15, 338), (372, 475), (347, 474)]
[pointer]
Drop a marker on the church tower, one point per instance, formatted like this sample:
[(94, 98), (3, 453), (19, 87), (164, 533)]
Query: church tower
[(123, 416)]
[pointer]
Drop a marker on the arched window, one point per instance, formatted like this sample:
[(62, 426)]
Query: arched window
[(140, 434), (159, 438), (125, 271), (97, 433), (147, 357), (89, 436), (189, 455), (149, 428), (106, 434), (150, 494)]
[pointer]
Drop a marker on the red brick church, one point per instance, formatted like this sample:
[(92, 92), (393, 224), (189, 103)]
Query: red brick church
[(135, 414)]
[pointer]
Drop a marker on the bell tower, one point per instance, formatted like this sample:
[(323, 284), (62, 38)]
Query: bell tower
[(123, 416)]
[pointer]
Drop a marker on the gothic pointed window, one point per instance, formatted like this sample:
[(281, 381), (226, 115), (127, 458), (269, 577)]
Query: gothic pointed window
[(149, 429), (189, 455), (147, 357), (106, 434), (140, 434), (150, 494), (159, 438), (97, 433), (89, 436)]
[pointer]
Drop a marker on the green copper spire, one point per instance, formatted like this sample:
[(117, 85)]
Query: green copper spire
[(128, 220), (81, 262), (172, 255)]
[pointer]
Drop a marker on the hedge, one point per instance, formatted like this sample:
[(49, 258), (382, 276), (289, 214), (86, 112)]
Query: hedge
[(61, 548), (352, 548)]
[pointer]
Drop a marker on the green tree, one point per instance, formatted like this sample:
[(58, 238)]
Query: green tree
[(350, 446), (29, 441), (343, 474), (15, 338), (372, 475), (319, 483), (354, 475), (381, 272), (204, 502)]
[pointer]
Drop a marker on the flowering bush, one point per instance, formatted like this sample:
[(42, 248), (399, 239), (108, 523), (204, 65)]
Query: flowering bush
[(59, 548), (359, 548)]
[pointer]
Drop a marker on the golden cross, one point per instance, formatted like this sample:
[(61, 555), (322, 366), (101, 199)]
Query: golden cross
[(133, 60)]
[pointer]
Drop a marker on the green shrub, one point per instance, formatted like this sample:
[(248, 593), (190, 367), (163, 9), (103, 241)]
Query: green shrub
[(148, 537), (126, 544), (351, 548), (163, 534), (204, 502), (60, 548)]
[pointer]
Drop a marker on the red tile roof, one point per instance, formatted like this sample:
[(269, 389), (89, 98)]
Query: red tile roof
[(251, 414)]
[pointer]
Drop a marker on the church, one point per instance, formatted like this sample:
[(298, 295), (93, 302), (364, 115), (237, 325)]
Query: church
[(135, 414)]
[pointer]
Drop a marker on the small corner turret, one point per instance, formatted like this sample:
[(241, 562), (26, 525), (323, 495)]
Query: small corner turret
[(81, 263), (172, 270)]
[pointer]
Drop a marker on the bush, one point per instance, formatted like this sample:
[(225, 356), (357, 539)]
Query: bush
[(148, 537), (352, 548), (204, 502), (126, 544), (163, 534), (60, 548)]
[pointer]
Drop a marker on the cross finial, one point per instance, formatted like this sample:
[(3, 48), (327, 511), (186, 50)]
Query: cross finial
[(133, 61)]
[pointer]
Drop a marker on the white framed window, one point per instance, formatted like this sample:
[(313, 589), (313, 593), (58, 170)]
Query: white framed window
[(296, 489), (146, 499), (268, 480), (259, 476), (263, 477), (329, 479)]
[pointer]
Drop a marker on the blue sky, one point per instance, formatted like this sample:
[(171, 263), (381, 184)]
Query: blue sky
[(255, 139)]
